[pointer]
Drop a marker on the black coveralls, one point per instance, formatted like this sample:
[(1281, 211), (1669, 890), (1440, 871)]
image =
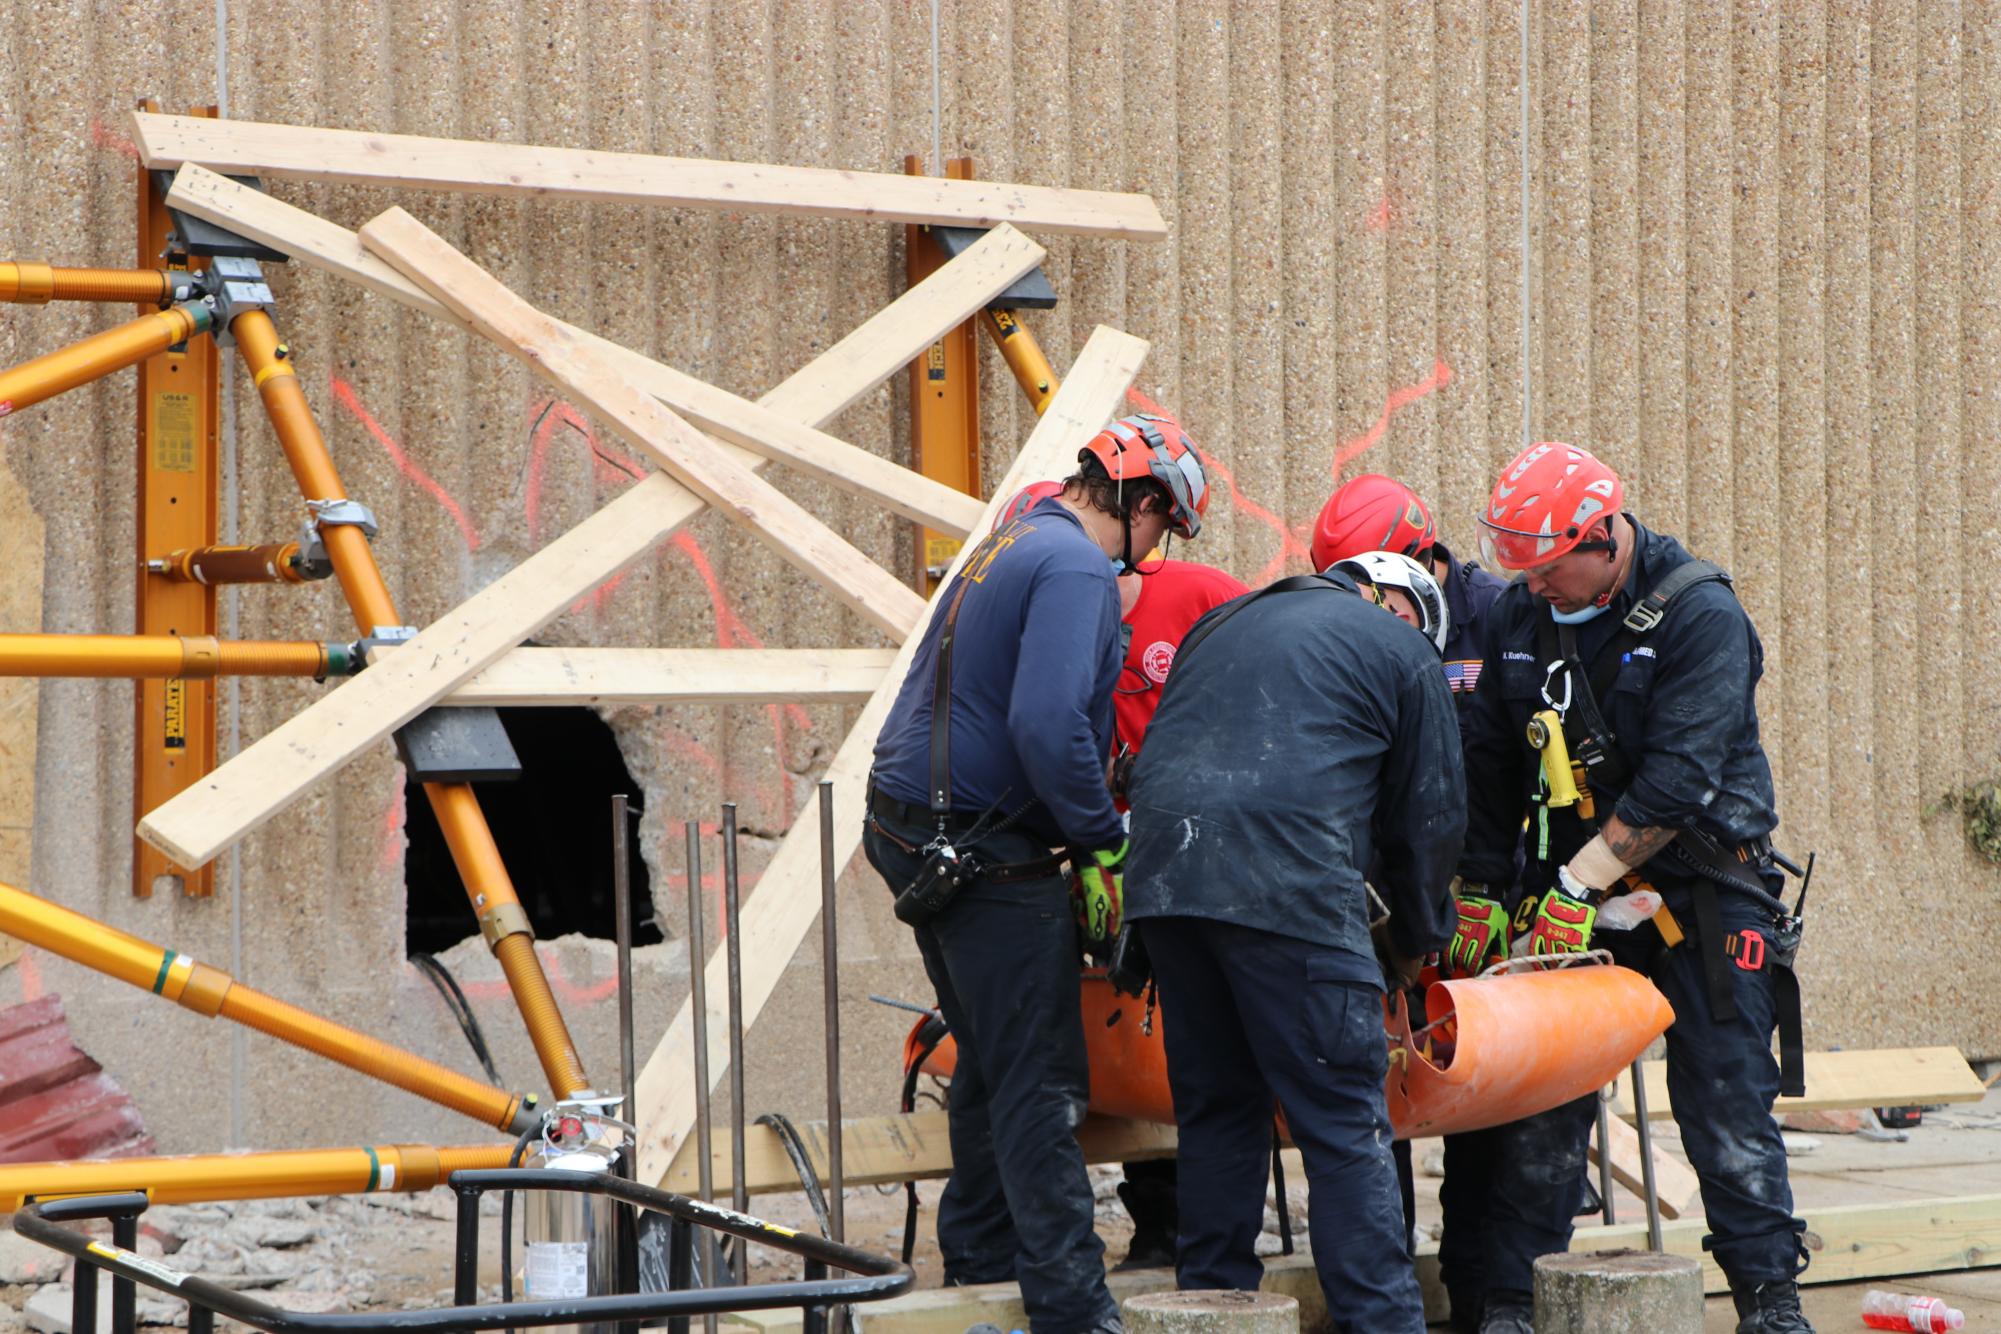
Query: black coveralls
[(1683, 709), (1309, 732)]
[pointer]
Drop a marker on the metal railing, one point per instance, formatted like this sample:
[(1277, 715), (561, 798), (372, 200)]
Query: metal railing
[(866, 1277)]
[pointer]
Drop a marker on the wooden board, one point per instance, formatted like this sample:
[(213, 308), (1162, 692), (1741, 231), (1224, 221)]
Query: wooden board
[(746, 499), (254, 148), (774, 433), (787, 896), (877, 1150), (1850, 1243), (1677, 1188), (530, 677), (280, 767), (1878, 1077)]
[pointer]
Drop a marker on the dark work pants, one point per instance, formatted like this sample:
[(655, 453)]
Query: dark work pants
[(1003, 959), (1722, 1081), (1248, 1015)]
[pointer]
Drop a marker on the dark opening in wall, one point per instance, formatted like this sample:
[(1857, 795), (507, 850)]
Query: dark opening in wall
[(553, 827)]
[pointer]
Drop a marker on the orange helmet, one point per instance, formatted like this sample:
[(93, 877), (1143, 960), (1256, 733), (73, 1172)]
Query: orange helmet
[(1371, 513), (1546, 504), (1025, 500), (1148, 444)]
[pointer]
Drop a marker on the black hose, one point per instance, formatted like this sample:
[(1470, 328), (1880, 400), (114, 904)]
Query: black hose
[(461, 1009), (795, 1149)]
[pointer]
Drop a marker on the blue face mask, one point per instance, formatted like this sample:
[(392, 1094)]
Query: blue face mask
[(1578, 617)]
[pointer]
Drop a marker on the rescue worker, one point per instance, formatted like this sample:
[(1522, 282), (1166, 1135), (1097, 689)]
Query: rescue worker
[(1160, 606), (994, 753), (1302, 735), (1645, 656), (1378, 513)]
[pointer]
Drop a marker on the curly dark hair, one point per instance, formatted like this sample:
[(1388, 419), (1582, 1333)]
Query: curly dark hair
[(1123, 500)]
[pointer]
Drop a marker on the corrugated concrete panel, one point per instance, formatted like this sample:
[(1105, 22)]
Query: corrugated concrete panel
[(1763, 243)]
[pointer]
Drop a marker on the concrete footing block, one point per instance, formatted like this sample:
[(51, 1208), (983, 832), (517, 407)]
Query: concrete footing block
[(1618, 1292), (1212, 1313)]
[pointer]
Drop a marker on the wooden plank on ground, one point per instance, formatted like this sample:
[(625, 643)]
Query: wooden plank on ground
[(280, 767), (786, 434), (530, 677), (1876, 1077), (1675, 1186), (640, 420), (787, 896), (255, 148), (877, 1150), (1850, 1243)]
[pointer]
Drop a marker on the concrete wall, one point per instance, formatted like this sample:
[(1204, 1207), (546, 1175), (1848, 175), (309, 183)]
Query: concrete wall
[(1762, 281)]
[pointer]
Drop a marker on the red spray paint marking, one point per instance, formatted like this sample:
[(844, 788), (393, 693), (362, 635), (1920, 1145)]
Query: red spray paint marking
[(611, 466), (344, 394), (1399, 399), (392, 829), (103, 136), (567, 992), (1289, 543), (31, 975), (1384, 215)]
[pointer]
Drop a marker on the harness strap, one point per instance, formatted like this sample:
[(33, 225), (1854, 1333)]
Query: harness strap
[(941, 711)]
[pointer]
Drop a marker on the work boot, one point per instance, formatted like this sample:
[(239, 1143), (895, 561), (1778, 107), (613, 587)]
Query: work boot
[(1770, 1308), (1508, 1313)]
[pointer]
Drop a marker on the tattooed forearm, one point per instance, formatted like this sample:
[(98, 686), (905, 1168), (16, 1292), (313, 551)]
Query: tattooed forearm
[(1634, 846)]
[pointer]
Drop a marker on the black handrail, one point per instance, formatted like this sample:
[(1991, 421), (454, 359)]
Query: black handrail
[(873, 1277)]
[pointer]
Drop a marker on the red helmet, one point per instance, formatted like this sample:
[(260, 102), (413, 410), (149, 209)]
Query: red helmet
[(1371, 513), (1025, 500), (1149, 444), (1546, 503)]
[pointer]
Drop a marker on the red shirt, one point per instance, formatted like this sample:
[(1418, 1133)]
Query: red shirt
[(1171, 600)]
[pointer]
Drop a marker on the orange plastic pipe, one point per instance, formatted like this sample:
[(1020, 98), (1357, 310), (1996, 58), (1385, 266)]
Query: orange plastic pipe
[(99, 355), (501, 918), (211, 992), (199, 1178), (187, 656), (37, 284), (1507, 1047)]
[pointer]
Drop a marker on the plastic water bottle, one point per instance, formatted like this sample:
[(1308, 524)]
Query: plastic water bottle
[(1901, 1310)]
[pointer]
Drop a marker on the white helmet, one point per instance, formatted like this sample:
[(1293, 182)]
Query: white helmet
[(1391, 569)]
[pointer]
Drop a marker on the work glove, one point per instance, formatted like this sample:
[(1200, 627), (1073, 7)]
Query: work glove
[(1480, 938), (1099, 893), (1562, 919)]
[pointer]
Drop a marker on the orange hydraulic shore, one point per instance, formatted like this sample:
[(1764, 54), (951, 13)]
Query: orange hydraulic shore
[(197, 1178)]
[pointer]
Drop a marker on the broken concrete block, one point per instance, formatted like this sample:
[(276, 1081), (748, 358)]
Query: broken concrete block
[(49, 1309), (24, 1261), (1842, 1122)]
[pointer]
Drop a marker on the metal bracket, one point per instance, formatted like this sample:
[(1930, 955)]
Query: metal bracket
[(235, 284), (503, 920), (382, 636), (313, 561)]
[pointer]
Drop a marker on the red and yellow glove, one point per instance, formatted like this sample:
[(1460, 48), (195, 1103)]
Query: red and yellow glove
[(1098, 894), (1480, 938), (1560, 921)]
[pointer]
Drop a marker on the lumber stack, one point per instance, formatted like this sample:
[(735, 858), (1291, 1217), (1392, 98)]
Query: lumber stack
[(710, 445)]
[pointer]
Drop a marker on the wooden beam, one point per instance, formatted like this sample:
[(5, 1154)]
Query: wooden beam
[(878, 1150), (1850, 1243), (787, 895), (280, 767), (780, 434), (242, 147), (1675, 1186), (1877, 1077), (746, 499), (556, 676)]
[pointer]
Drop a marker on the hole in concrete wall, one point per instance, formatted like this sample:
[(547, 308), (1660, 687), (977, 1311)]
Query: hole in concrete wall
[(554, 832)]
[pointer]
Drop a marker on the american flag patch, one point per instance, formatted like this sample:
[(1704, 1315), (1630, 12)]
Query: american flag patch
[(1463, 676)]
